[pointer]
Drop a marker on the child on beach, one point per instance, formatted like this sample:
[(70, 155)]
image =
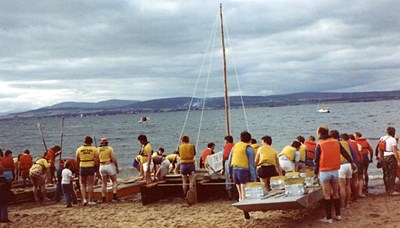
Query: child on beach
[(67, 186)]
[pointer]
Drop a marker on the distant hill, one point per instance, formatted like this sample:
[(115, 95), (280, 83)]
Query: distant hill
[(111, 107)]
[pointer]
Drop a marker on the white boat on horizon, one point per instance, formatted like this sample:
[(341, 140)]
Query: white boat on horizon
[(324, 110)]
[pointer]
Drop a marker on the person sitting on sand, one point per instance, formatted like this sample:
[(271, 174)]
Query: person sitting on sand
[(267, 162), (289, 157), (242, 162), (145, 157), (37, 175), (327, 164), (67, 184), (108, 168), (87, 159), (187, 153), (310, 148), (204, 154)]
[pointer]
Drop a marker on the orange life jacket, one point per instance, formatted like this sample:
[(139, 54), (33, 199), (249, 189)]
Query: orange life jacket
[(365, 145), (330, 155), (354, 146), (227, 150), (7, 163), (310, 148), (25, 162)]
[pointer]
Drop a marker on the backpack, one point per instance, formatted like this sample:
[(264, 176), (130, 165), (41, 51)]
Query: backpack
[(382, 145)]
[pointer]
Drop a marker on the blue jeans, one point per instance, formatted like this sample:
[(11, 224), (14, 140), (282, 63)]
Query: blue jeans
[(3, 212), (69, 194)]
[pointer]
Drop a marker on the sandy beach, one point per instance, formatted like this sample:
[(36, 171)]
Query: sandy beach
[(377, 210)]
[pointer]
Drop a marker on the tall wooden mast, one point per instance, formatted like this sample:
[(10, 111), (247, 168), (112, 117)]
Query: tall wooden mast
[(228, 129)]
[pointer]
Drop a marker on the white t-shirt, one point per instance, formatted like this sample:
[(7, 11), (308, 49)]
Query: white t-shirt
[(390, 143), (66, 176)]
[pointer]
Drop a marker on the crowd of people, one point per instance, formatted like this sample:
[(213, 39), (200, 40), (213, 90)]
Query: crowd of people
[(340, 161)]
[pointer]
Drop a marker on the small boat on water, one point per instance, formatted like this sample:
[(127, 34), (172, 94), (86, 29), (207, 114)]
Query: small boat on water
[(144, 119), (323, 110)]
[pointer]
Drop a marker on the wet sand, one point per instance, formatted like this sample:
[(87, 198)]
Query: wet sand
[(374, 211)]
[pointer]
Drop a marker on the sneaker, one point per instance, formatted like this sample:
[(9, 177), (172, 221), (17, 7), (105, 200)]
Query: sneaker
[(361, 195), (394, 193), (92, 203), (325, 220), (68, 206), (84, 202), (115, 200), (338, 217)]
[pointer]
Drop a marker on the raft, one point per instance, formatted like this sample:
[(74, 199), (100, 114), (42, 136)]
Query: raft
[(277, 200)]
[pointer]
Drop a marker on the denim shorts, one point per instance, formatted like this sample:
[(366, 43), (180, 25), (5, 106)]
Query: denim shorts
[(329, 176), (187, 168), (241, 176)]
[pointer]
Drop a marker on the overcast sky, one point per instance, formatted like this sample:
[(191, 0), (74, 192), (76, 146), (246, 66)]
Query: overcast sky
[(56, 51)]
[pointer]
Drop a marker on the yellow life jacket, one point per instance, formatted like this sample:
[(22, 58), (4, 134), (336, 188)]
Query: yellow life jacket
[(239, 156), (267, 155), (172, 158), (302, 152), (86, 155), (346, 147), (144, 153), (288, 151), (255, 147), (105, 153), (186, 152)]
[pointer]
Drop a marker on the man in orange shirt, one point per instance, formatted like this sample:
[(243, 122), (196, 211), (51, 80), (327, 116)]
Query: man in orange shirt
[(25, 163), (50, 155), (208, 151)]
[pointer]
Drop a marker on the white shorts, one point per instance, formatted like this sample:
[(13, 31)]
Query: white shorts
[(108, 170), (164, 168), (286, 164), (345, 171), (146, 166)]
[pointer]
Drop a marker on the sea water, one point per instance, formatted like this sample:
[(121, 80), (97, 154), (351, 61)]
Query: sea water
[(164, 129)]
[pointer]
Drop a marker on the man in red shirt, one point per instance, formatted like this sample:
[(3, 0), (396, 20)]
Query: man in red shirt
[(208, 151), (50, 155)]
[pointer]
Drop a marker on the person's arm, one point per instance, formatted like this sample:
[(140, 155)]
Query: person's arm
[(278, 166), (371, 152), (257, 159), (114, 160), (354, 156), (317, 158), (252, 164), (296, 160), (396, 154), (78, 160)]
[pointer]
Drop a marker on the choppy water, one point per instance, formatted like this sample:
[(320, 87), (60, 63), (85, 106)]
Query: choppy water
[(163, 129)]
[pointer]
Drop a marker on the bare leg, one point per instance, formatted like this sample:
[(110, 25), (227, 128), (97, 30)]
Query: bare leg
[(348, 192), (104, 186), (185, 181), (343, 187), (239, 192), (90, 182), (242, 191), (83, 188), (115, 184)]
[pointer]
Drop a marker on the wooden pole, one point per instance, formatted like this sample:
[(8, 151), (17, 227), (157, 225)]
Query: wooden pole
[(94, 137), (62, 137), (228, 129), (41, 134)]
